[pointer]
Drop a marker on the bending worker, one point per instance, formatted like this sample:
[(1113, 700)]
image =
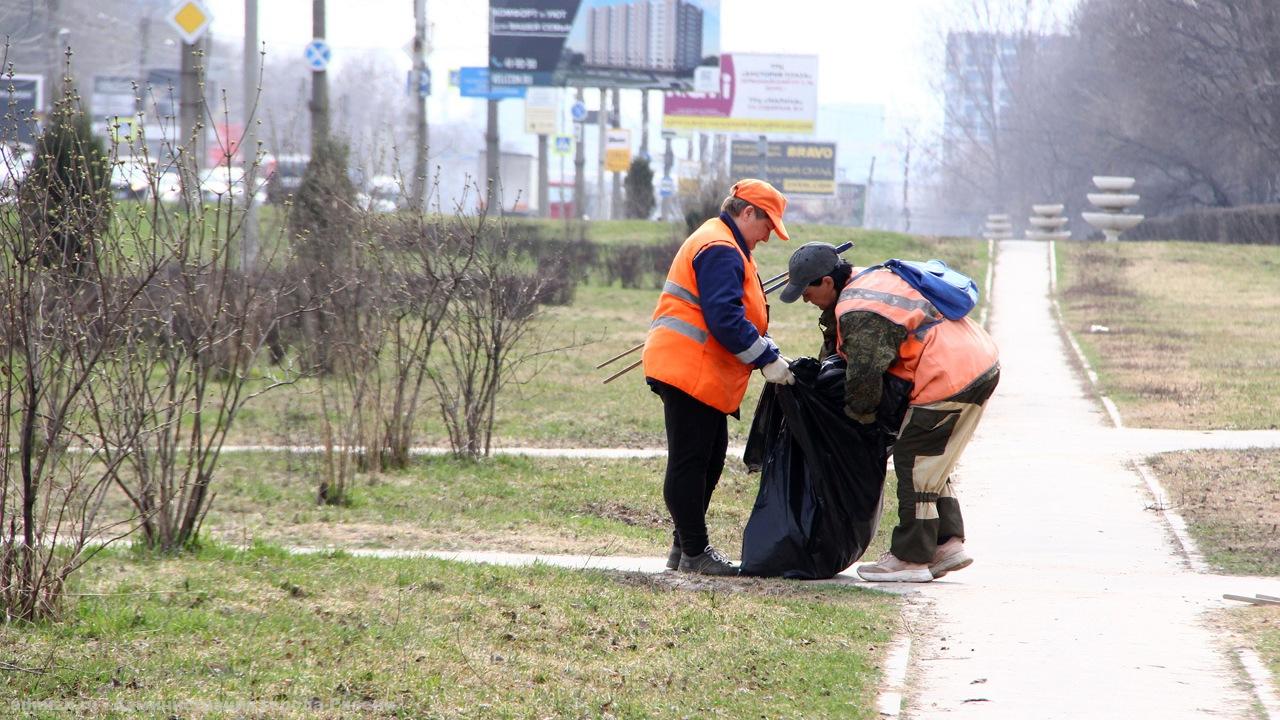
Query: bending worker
[(707, 335), (894, 340)]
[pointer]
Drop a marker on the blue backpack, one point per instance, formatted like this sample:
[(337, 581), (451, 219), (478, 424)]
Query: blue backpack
[(953, 293)]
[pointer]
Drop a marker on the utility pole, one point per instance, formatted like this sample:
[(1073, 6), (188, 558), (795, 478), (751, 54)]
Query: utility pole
[(493, 178), (249, 137), (579, 164), (602, 122), (866, 195), (420, 169), (668, 162), (319, 84), (906, 185), (615, 121), (544, 206), (644, 124), (189, 115)]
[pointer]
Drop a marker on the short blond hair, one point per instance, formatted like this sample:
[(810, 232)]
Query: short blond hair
[(734, 205)]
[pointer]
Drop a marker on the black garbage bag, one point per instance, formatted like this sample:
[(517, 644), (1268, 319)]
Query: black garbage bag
[(822, 474)]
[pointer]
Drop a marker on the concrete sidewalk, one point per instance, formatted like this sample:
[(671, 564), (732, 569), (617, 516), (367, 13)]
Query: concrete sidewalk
[(1078, 605)]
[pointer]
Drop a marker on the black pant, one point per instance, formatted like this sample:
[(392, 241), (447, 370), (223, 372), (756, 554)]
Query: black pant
[(697, 437)]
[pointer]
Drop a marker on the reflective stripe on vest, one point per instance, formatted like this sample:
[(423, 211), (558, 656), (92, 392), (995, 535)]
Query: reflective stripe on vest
[(680, 350), (939, 357)]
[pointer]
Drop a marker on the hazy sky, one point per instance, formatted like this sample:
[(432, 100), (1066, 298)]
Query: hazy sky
[(871, 51)]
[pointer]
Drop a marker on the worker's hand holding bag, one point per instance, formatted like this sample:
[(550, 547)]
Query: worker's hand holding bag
[(778, 371)]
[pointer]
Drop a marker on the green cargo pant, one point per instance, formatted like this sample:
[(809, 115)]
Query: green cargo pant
[(929, 444)]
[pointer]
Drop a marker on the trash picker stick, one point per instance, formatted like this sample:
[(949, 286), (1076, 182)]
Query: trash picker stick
[(623, 371), (619, 356)]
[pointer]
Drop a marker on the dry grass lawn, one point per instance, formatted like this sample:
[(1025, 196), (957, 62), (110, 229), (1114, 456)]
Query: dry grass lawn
[(1193, 330), (1231, 500)]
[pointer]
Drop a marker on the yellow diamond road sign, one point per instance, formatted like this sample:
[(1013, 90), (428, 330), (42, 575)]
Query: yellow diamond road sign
[(190, 19)]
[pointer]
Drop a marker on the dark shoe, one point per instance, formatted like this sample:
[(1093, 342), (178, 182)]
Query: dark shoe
[(710, 562), (673, 557)]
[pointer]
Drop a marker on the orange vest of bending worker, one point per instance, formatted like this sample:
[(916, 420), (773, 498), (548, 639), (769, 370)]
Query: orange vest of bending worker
[(940, 357), (679, 350)]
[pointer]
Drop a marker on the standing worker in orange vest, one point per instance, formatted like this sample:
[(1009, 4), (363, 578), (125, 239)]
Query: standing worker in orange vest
[(895, 340), (708, 333)]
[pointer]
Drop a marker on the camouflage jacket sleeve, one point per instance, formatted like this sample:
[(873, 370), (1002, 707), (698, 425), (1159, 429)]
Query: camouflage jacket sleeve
[(870, 343), (827, 324)]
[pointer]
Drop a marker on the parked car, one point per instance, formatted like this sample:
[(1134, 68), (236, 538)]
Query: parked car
[(216, 183), (14, 164), (284, 175), (131, 179), (384, 194)]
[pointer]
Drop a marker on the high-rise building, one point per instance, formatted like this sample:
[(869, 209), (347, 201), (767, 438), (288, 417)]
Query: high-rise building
[(663, 35), (979, 65)]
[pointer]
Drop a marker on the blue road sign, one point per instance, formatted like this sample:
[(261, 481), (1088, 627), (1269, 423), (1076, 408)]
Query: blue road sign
[(424, 83), (564, 144), (579, 111), (318, 54), (474, 82), (667, 187)]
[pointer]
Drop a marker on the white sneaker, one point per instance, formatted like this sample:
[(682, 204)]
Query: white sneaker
[(890, 569), (949, 557)]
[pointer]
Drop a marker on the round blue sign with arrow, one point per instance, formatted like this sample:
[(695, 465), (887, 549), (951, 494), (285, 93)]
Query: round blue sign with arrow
[(318, 54), (579, 111)]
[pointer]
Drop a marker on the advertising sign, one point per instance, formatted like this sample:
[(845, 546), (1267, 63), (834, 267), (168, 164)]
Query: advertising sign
[(799, 168), (113, 97), (758, 94), (541, 111), (617, 150), (474, 82), (602, 43), (19, 107)]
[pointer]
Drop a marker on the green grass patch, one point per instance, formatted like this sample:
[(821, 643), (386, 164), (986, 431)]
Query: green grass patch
[(1192, 334), (1231, 502), (262, 634), (517, 504)]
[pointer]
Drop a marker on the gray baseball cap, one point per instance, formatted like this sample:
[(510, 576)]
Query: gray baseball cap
[(809, 262)]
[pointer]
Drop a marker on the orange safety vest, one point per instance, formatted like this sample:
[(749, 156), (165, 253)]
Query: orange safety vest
[(939, 357), (679, 350)]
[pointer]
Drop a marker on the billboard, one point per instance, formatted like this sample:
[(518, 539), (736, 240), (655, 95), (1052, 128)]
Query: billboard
[(617, 153), (757, 94), (796, 168), (602, 43), (21, 101)]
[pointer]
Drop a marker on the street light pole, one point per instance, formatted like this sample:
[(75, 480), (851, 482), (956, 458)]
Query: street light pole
[(420, 169), (249, 136)]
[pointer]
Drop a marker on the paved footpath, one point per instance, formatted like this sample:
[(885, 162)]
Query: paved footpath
[(1078, 604)]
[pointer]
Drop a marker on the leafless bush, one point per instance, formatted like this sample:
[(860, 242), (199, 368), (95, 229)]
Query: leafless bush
[(68, 296), (488, 334)]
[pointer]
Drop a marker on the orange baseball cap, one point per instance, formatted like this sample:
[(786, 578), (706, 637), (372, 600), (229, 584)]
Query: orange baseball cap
[(767, 198)]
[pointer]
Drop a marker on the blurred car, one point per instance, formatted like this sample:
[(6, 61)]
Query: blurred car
[(131, 179), (284, 175), (169, 186), (14, 164), (383, 195), (223, 182)]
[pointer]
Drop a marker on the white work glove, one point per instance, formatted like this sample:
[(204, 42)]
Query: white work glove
[(778, 372)]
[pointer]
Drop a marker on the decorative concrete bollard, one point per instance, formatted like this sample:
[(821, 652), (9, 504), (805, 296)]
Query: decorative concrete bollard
[(998, 228), (1048, 223), (1113, 201)]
